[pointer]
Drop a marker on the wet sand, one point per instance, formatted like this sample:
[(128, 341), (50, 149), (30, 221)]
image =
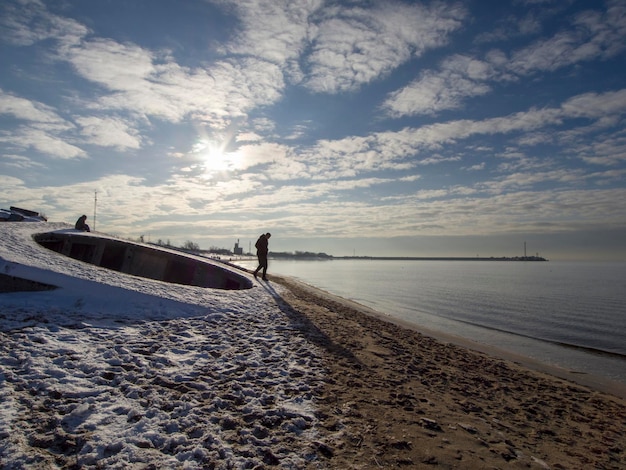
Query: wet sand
[(395, 397)]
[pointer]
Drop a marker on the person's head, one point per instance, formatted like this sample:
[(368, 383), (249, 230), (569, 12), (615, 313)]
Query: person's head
[(84, 217), (268, 235)]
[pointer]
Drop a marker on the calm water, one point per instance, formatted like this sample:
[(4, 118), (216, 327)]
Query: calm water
[(567, 314)]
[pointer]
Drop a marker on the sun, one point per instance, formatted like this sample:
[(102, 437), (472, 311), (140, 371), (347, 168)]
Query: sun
[(214, 158)]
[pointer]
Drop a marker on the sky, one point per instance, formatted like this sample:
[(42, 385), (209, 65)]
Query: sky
[(382, 128)]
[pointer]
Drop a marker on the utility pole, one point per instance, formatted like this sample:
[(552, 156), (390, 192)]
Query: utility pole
[(95, 203)]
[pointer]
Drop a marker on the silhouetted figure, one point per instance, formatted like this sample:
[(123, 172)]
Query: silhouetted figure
[(81, 225), (261, 253)]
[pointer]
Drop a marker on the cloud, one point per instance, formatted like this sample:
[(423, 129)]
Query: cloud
[(272, 30), (148, 82), (43, 129), (48, 132), (515, 212), (9, 182), (27, 110), (118, 67), (109, 132), (459, 77), (410, 147), (347, 51), (433, 214), (607, 150), (595, 36), (530, 21), (45, 143), (29, 22), (143, 83), (596, 105), (401, 150), (478, 167), (19, 162)]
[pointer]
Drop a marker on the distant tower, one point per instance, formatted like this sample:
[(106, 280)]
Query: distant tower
[(95, 203), (524, 249), (238, 250)]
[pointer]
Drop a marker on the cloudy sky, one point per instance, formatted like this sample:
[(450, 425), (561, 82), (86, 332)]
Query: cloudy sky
[(377, 127)]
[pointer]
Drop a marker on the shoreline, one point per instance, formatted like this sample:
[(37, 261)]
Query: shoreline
[(399, 396), (596, 382), (567, 342)]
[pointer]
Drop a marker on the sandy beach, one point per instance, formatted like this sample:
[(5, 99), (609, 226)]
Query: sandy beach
[(395, 398)]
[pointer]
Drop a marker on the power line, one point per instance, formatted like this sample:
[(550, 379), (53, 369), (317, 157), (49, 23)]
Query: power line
[(95, 203)]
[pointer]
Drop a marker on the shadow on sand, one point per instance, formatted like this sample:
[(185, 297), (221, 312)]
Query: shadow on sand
[(300, 322)]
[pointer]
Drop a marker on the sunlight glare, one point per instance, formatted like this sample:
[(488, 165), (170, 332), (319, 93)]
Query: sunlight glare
[(214, 158)]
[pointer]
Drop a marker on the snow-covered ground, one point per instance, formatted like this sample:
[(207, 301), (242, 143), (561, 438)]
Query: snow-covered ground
[(115, 371)]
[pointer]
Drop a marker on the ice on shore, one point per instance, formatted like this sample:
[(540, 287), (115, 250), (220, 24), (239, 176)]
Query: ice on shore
[(111, 370)]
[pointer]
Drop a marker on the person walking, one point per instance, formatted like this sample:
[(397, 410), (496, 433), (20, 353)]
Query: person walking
[(261, 253)]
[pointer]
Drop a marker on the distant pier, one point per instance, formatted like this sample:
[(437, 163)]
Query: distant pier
[(444, 258)]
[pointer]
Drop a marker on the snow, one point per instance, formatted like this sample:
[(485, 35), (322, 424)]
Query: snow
[(111, 370)]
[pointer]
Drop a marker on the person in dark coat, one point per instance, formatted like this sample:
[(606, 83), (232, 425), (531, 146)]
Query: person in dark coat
[(261, 253), (81, 225)]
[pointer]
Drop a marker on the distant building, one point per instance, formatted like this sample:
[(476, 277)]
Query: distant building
[(238, 250)]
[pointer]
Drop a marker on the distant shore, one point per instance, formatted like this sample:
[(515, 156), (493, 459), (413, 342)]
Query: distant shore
[(444, 258), (308, 257)]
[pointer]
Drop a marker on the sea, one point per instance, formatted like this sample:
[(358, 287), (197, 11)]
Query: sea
[(571, 315)]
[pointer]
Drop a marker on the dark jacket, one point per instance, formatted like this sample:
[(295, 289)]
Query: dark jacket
[(81, 225), (261, 245)]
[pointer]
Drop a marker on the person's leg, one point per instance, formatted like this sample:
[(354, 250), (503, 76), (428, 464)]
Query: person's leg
[(260, 265), (264, 267)]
